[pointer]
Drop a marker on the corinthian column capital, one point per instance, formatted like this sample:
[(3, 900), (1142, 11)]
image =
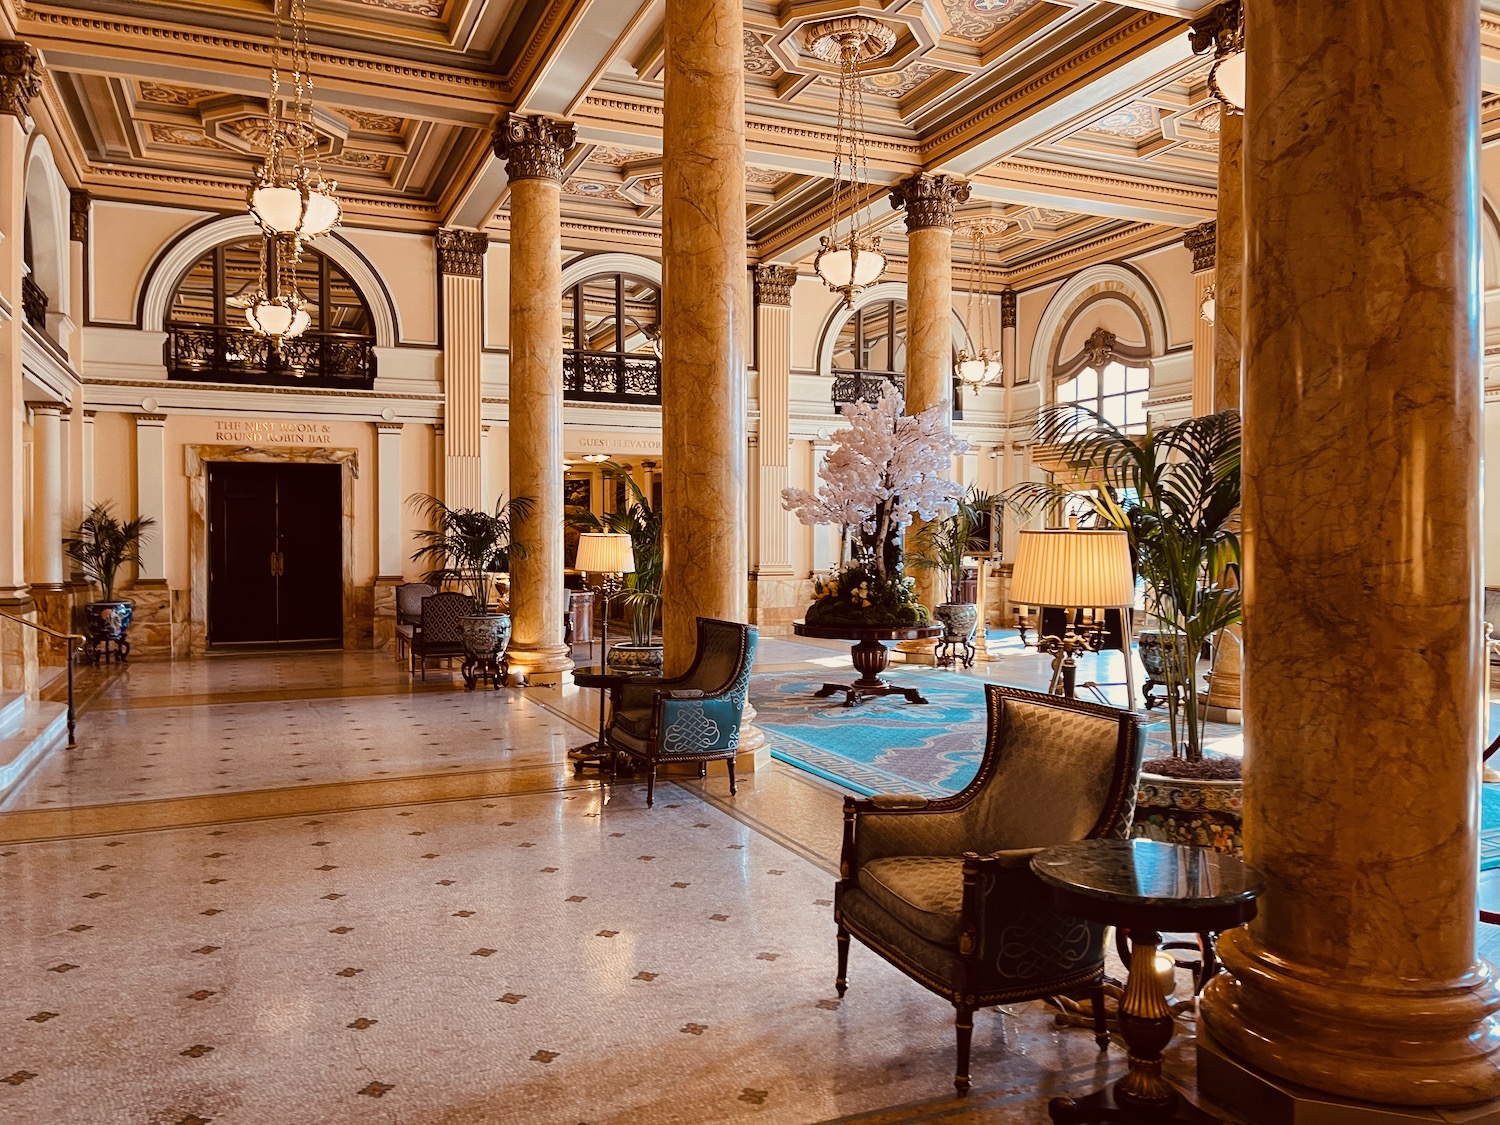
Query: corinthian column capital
[(929, 200), (533, 147), (20, 77)]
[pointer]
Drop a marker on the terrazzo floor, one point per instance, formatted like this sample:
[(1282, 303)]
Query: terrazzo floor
[(553, 952)]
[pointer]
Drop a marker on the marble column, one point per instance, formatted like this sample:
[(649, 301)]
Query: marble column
[(704, 328), (151, 495), (1363, 659), (20, 82), (1229, 267), (775, 598), (1009, 359), (47, 504), (1202, 242), (86, 485), (928, 201), (388, 563), (460, 256), (533, 149)]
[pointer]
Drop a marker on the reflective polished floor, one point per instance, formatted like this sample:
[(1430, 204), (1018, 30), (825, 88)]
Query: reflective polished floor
[(301, 888)]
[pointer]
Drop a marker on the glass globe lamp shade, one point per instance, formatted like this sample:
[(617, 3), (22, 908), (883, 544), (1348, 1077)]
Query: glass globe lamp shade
[(277, 209), (300, 321), (322, 212), (1227, 80), (869, 263), (993, 370), (970, 369), (1208, 307), (834, 265)]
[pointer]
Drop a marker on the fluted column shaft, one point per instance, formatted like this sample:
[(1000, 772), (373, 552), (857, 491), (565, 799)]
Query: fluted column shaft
[(1229, 267), (773, 335), (1363, 663), (1008, 345), (533, 149), (388, 561), (704, 326), (461, 267), (1202, 242), (151, 494)]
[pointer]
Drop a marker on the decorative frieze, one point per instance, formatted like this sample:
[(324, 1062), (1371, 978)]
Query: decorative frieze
[(461, 252), (1201, 240), (929, 200), (773, 284), (533, 148), (20, 77), (1007, 308), (78, 215)]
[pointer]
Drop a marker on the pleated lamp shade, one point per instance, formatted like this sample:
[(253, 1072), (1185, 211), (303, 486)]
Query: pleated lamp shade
[(1073, 567), (602, 553)]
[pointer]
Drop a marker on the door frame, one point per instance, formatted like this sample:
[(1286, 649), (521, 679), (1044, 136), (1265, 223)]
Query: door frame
[(195, 458)]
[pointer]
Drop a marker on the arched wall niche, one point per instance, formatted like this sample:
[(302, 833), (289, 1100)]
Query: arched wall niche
[(47, 212), (1110, 296), (592, 265), (167, 270)]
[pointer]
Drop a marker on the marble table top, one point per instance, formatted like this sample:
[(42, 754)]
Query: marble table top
[(867, 632), (1148, 873)]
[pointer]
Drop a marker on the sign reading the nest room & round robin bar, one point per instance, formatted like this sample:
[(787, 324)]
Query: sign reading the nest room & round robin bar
[(248, 431)]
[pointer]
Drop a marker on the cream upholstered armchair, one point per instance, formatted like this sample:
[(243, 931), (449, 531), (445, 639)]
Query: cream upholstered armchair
[(694, 717), (943, 889)]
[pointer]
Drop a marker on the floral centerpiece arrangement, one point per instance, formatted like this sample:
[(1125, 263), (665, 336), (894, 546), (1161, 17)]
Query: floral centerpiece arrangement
[(885, 470)]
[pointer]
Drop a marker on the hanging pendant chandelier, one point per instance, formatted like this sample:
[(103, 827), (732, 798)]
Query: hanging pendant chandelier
[(290, 194), (275, 309), (849, 259), (982, 367)]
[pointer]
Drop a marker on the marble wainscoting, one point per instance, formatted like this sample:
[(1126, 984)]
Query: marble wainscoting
[(161, 627), (54, 610), (195, 458), (775, 602)]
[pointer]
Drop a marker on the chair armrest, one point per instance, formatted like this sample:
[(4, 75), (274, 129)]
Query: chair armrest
[(874, 828), (690, 723), (898, 801), (639, 693), (684, 693)]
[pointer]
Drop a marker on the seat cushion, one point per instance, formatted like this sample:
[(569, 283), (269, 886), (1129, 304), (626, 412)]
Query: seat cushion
[(922, 892), (634, 721)]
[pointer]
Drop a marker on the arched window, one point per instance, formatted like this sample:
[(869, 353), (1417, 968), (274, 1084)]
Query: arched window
[(34, 298), (208, 339), (870, 353), (1110, 378), (612, 340)]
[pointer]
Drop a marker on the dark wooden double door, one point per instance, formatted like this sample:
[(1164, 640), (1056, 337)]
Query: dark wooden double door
[(275, 554)]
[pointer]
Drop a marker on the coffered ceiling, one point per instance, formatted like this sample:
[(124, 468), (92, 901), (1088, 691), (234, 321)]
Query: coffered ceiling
[(1086, 125)]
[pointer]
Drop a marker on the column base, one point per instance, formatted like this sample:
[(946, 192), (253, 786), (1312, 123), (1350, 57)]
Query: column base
[(918, 652), (1266, 1100), (547, 666), (1403, 1043)]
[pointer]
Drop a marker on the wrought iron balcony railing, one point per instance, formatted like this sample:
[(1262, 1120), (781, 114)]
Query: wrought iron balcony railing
[(611, 377), (863, 386), (34, 304), (219, 354)]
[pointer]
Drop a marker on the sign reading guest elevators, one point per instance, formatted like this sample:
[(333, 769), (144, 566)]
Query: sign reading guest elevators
[(248, 432)]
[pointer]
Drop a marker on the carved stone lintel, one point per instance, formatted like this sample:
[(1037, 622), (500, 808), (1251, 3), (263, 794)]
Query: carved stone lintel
[(20, 77), (533, 147), (1099, 348), (1007, 308), (773, 284), (929, 200), (78, 215), (461, 252), (1201, 240)]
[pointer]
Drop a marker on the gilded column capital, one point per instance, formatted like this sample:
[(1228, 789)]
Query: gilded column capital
[(533, 147), (20, 77), (78, 215), (1202, 241), (773, 284), (461, 252), (929, 200), (1007, 308)]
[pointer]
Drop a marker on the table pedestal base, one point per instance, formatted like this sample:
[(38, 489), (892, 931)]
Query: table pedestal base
[(476, 668), (870, 659), (1100, 1107)]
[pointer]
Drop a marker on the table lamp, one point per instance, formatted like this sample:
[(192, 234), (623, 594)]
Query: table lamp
[(610, 556), (1074, 568)]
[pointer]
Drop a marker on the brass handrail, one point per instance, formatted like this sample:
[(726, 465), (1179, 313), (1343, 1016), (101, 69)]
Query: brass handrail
[(70, 638)]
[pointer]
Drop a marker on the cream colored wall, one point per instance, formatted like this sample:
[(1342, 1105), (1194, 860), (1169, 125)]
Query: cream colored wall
[(124, 239), (497, 296), (418, 463), (407, 264), (1170, 271), (1030, 305)]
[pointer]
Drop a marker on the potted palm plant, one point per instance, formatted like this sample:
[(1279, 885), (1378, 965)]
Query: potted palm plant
[(642, 597), (1175, 492), (467, 547), (101, 546), (942, 545)]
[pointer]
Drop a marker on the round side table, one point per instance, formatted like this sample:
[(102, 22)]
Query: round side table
[(1144, 887), (597, 753)]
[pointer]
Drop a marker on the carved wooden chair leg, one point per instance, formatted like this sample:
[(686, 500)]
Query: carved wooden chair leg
[(1101, 1018), (841, 982), (963, 1024), (702, 770), (650, 782), (733, 788)]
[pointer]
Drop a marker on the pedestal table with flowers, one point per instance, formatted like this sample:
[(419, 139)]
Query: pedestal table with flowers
[(884, 471)]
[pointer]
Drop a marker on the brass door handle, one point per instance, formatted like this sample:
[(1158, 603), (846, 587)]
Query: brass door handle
[(278, 564)]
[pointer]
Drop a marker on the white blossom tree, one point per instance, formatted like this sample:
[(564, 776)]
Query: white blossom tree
[(885, 470)]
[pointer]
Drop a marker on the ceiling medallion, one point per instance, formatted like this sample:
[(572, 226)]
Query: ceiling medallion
[(850, 261)]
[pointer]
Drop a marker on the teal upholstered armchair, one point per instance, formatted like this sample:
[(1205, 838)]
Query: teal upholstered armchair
[(943, 889), (694, 717)]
